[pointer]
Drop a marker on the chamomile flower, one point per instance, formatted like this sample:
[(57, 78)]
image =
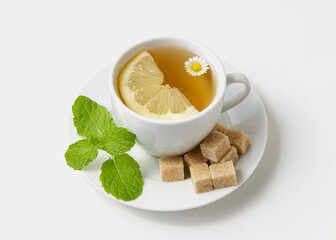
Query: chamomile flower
[(196, 66)]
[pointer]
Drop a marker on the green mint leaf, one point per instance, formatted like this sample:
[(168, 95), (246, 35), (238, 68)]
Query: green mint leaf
[(121, 177), (81, 153), (90, 118), (117, 140)]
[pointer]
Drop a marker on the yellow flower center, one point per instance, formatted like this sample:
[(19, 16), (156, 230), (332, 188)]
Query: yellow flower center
[(196, 67)]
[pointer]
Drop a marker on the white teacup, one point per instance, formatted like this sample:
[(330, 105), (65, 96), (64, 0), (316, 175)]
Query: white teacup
[(176, 137)]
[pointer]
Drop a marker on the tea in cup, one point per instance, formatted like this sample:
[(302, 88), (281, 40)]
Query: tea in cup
[(170, 93)]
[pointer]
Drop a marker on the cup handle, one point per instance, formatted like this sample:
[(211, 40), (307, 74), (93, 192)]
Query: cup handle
[(239, 96)]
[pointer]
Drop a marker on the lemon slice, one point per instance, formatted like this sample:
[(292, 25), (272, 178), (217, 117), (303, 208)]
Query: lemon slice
[(141, 87)]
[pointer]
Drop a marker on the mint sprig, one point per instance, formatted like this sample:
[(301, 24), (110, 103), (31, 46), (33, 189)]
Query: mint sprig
[(121, 174)]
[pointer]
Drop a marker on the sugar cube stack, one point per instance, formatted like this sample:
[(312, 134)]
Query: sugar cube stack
[(220, 149)]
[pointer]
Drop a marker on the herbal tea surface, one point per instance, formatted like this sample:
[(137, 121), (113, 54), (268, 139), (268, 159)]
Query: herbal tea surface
[(199, 90)]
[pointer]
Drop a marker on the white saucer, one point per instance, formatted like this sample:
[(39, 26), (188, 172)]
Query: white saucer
[(249, 116)]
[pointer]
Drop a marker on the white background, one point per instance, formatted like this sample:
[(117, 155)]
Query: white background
[(49, 50)]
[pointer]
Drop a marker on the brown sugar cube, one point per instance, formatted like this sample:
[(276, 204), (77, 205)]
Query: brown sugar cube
[(201, 177), (215, 145), (231, 155), (237, 138), (194, 157), (171, 169), (223, 174)]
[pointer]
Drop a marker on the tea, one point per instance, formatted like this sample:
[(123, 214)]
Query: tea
[(156, 83), (199, 90)]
